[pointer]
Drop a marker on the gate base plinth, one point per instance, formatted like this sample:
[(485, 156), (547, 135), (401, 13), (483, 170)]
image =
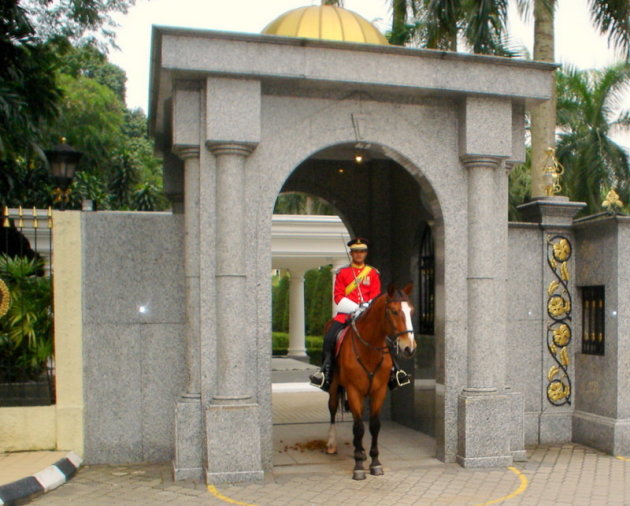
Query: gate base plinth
[(188, 461), (484, 430), (233, 442)]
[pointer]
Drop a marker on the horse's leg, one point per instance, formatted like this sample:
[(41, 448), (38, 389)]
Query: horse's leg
[(376, 402), (375, 426), (333, 402), (356, 406)]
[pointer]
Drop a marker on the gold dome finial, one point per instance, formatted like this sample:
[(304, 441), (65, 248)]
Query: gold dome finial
[(325, 22)]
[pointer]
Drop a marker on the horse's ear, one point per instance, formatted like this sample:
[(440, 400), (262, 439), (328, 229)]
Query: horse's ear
[(408, 288), (391, 289)]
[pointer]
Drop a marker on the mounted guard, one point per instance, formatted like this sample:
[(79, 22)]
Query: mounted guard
[(356, 285)]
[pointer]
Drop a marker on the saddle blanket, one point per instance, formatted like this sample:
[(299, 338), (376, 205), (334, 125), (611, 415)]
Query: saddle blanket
[(340, 336)]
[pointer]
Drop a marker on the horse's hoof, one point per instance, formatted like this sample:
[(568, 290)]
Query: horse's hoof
[(331, 450), (358, 474), (377, 471)]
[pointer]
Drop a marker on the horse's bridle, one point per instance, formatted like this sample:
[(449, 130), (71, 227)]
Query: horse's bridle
[(391, 344)]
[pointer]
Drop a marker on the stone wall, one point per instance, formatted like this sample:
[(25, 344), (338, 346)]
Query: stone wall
[(524, 322), (133, 335), (602, 416)]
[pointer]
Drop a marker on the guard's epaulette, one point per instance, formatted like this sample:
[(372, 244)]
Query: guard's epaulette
[(342, 267)]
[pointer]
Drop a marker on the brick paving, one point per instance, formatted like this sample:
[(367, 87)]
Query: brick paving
[(302, 475), (556, 475)]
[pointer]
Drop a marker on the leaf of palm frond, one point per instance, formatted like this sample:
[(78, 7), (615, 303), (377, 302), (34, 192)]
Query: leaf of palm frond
[(612, 17)]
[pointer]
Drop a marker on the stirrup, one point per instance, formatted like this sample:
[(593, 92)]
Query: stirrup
[(398, 379), (318, 379)]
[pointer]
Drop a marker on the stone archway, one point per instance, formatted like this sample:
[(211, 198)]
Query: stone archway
[(380, 199), (242, 112)]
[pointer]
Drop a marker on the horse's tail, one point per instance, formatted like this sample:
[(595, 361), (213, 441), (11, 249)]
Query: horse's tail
[(342, 400)]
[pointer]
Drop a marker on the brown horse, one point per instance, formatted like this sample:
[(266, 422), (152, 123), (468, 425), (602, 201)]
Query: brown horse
[(363, 368)]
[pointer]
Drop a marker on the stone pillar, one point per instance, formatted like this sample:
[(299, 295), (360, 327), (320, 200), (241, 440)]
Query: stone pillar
[(558, 295), (297, 337), (188, 461), (232, 428), (483, 409)]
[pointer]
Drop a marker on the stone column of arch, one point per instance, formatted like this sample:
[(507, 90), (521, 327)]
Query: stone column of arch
[(482, 272), (232, 427), (484, 409), (190, 155), (230, 274)]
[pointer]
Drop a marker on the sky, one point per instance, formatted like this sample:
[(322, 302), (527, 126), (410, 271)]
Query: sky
[(577, 43)]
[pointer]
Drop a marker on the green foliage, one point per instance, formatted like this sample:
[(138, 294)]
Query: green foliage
[(88, 61), (25, 183), (147, 197), (438, 24), (314, 344), (301, 203), (593, 162), (520, 183), (75, 20), (91, 119), (318, 299), (280, 305), (28, 91), (26, 331)]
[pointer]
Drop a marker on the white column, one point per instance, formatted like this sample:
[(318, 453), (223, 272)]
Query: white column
[(297, 337)]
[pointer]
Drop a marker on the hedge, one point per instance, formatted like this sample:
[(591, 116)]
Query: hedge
[(280, 346)]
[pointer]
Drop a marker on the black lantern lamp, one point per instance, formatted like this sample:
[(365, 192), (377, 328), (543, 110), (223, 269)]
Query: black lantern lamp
[(63, 160)]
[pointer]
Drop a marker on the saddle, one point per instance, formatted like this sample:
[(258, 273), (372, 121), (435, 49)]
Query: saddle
[(340, 337)]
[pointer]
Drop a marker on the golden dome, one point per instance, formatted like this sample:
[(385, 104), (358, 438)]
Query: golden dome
[(326, 22)]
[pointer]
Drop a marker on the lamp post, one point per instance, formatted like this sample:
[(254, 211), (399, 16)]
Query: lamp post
[(63, 160)]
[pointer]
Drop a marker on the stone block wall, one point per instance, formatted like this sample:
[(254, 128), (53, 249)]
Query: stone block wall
[(524, 322), (133, 334), (602, 416)]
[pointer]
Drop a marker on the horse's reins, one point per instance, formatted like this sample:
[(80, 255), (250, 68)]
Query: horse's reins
[(390, 340)]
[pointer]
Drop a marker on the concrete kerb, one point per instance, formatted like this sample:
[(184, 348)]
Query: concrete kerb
[(39, 483)]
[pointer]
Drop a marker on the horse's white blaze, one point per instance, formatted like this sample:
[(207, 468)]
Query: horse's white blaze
[(331, 446), (407, 312)]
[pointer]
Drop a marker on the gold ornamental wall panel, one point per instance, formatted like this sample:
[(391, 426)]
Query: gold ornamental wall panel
[(559, 331)]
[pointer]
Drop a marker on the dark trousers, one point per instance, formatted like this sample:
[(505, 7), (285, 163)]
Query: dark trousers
[(331, 338)]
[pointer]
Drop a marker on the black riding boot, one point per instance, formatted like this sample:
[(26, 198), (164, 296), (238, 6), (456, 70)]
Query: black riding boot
[(321, 379)]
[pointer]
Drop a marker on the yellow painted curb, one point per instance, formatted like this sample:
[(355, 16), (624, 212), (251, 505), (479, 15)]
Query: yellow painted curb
[(212, 489), (625, 459), (521, 488)]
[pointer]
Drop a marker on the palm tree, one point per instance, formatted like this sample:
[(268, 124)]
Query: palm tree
[(437, 24), (612, 18), (593, 162)]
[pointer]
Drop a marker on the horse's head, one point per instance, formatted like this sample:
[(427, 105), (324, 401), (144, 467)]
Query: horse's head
[(398, 311)]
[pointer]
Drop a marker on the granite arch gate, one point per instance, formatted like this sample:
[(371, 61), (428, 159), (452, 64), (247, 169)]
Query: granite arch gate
[(243, 111)]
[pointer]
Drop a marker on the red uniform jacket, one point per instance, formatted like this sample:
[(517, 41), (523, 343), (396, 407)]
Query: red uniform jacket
[(369, 287)]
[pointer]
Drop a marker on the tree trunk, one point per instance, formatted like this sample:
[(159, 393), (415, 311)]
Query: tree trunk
[(399, 22), (543, 116)]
